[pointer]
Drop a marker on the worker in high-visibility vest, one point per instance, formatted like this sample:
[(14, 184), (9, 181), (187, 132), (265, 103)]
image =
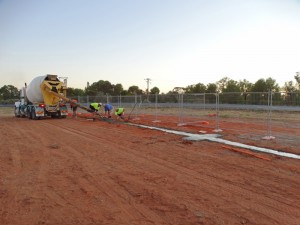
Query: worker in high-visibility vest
[(95, 107), (120, 113)]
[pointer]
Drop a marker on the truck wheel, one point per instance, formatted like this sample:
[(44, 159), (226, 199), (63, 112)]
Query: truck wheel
[(59, 115)]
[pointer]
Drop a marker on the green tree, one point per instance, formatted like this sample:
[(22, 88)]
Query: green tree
[(154, 90), (70, 91), (124, 92), (105, 87), (289, 87), (9, 92), (227, 89), (260, 86), (189, 89), (297, 78), (100, 87), (91, 90), (231, 86), (79, 92), (263, 85), (222, 84), (196, 88), (272, 85), (177, 90), (117, 89), (211, 88), (245, 86), (132, 90)]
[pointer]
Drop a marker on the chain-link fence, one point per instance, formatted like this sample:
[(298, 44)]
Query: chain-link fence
[(247, 116)]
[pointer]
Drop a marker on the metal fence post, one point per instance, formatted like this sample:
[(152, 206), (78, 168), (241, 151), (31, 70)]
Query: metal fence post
[(269, 119), (119, 101), (217, 113), (204, 101), (180, 108), (134, 107), (135, 102), (156, 100)]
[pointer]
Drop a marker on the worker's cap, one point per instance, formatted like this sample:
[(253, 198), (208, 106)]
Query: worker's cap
[(100, 103)]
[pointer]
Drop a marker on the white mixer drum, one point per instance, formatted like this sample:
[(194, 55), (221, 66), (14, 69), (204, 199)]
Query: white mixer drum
[(33, 90)]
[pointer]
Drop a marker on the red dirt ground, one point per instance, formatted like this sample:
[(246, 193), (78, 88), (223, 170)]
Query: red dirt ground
[(76, 171)]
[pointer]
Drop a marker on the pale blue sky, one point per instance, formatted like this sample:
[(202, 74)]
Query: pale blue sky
[(174, 42)]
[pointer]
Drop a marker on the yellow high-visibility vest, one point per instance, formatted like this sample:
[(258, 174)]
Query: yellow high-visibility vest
[(119, 111), (95, 105)]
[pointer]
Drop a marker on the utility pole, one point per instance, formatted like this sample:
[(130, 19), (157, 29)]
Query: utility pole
[(147, 91), (148, 82)]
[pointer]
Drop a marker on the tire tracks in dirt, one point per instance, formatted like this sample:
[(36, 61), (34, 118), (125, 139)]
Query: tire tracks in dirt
[(229, 186), (107, 185), (87, 172)]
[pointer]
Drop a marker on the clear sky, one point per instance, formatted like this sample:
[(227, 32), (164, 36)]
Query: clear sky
[(175, 43)]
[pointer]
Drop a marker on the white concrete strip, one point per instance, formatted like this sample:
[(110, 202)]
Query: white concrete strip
[(215, 138)]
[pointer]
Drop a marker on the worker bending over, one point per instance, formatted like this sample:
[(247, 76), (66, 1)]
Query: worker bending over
[(107, 110), (120, 113), (95, 107)]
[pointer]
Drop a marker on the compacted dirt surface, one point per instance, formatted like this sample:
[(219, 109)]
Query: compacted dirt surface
[(78, 171)]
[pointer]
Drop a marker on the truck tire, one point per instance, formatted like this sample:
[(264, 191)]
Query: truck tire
[(60, 116)]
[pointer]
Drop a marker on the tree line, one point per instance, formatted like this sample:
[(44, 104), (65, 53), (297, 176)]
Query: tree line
[(101, 87), (226, 84)]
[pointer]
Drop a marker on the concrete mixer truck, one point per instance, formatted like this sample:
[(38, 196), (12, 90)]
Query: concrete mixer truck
[(42, 98)]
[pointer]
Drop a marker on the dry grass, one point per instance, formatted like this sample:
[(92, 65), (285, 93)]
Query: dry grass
[(241, 114), (7, 111)]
